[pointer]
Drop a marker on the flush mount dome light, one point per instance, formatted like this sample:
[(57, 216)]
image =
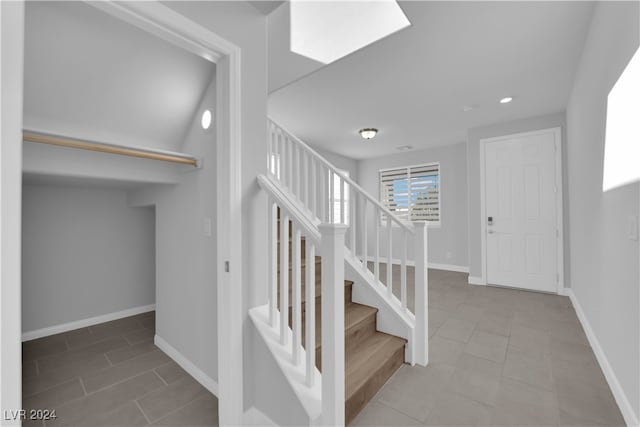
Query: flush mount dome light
[(206, 119), (506, 100), (368, 133), (326, 31)]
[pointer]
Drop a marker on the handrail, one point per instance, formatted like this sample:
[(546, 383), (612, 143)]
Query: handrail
[(103, 147), (347, 179)]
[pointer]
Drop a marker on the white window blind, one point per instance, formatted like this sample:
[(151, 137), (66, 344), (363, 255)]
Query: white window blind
[(413, 192)]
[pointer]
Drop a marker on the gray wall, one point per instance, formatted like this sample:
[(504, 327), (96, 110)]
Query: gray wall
[(448, 242), (84, 254), (604, 262), (473, 177)]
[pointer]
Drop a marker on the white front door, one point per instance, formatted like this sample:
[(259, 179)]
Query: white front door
[(521, 212)]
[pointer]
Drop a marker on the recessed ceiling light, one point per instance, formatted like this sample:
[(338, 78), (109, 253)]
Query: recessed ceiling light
[(506, 100), (368, 133), (206, 119), (404, 148)]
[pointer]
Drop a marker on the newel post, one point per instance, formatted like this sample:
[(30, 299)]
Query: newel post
[(333, 368), (421, 294)]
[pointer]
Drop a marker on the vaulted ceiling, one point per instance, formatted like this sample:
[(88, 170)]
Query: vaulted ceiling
[(90, 75), (415, 84)]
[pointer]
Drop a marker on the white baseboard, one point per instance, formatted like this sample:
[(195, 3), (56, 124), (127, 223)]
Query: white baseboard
[(630, 417), (475, 280), (432, 265), (83, 323), (197, 373), (449, 267)]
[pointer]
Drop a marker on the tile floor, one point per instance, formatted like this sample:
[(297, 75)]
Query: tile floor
[(112, 375), (497, 357)]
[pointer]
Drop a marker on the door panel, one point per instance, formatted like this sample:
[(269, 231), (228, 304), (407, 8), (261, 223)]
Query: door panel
[(520, 197)]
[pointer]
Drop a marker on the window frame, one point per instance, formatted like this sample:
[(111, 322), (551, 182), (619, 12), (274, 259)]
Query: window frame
[(431, 224)]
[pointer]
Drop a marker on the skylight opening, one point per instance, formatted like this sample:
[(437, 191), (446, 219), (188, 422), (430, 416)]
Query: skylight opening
[(326, 30), (622, 140)]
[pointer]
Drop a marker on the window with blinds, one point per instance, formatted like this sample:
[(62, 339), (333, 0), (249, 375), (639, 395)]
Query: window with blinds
[(413, 192)]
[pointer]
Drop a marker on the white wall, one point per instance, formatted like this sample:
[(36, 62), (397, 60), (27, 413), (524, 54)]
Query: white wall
[(85, 253), (473, 178), (11, 57), (448, 242), (604, 262)]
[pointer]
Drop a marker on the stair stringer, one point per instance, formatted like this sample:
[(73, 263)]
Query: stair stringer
[(391, 318)]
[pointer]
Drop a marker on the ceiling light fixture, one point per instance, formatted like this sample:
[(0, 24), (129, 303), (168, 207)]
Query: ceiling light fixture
[(506, 100), (368, 133)]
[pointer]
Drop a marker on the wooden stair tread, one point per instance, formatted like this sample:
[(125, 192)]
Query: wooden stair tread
[(354, 315), (368, 358)]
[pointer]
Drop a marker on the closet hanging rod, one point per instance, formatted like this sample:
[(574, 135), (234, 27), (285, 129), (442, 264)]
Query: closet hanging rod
[(144, 153)]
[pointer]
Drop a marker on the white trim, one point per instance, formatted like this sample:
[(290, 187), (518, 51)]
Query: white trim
[(198, 374), (475, 280), (564, 292), (83, 323), (630, 417), (176, 28), (559, 200), (432, 265)]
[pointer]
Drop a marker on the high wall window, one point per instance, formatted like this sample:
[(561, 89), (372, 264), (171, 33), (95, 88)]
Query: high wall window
[(412, 192)]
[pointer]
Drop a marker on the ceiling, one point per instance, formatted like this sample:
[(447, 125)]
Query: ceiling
[(413, 85), (90, 75)]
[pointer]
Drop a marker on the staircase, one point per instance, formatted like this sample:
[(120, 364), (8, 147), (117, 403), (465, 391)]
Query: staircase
[(338, 351), (371, 356)]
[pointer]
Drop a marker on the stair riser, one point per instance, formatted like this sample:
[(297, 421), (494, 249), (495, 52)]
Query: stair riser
[(359, 332)]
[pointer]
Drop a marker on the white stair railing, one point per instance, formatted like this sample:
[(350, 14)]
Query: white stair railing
[(291, 230), (327, 196)]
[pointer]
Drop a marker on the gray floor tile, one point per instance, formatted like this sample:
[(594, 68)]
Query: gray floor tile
[(487, 345), (82, 411), (167, 399), (129, 352), (171, 372), (201, 412), (455, 410), (378, 414), (97, 380), (77, 356), (443, 350), (42, 347), (55, 396), (519, 404), (139, 335), (456, 329), (535, 371)]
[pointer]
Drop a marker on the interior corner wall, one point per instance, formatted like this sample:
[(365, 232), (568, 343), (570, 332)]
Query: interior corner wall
[(473, 167), (447, 242), (604, 261), (85, 253)]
